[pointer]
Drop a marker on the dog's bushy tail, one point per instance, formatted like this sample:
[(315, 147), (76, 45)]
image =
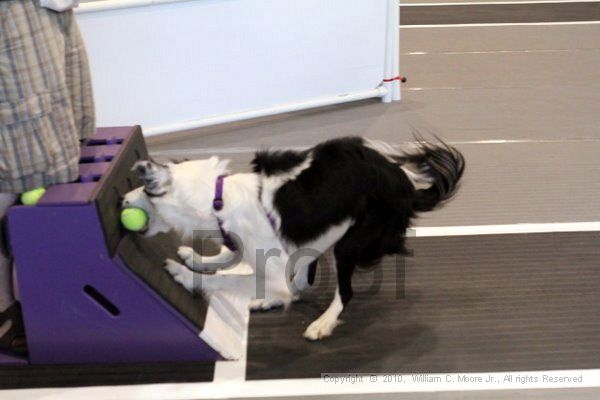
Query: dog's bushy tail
[(434, 169), (438, 164)]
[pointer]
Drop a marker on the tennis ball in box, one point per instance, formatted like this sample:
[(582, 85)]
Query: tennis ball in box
[(31, 197), (134, 219)]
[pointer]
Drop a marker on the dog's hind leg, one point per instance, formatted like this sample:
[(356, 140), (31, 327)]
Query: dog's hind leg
[(346, 258), (272, 267), (304, 277), (326, 323), (196, 262), (277, 291)]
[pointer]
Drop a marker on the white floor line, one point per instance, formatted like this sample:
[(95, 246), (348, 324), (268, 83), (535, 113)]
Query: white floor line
[(500, 24), (520, 380), (554, 227), (249, 150), (486, 3), (488, 88), (522, 141), (423, 53), (230, 371)]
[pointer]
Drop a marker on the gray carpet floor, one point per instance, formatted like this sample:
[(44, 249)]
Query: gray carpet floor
[(537, 87), (459, 304)]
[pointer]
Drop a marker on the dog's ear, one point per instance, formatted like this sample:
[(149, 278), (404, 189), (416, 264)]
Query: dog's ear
[(156, 177), (216, 163)]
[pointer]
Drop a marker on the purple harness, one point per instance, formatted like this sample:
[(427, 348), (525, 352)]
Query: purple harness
[(218, 206)]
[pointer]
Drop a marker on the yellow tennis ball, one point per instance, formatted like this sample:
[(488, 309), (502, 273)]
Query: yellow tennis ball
[(134, 219), (33, 196)]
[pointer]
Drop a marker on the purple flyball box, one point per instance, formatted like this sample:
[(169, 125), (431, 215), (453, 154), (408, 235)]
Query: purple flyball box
[(83, 299)]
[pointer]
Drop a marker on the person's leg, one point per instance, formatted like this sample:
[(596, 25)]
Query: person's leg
[(39, 131), (78, 78), (39, 143), (6, 292)]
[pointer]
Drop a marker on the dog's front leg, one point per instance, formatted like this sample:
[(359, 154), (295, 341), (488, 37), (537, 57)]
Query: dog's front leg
[(196, 262), (208, 284), (181, 274)]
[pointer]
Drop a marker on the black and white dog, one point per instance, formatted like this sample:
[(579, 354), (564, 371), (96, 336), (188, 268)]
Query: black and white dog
[(351, 194)]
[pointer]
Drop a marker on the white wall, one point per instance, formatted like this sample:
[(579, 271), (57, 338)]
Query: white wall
[(161, 65)]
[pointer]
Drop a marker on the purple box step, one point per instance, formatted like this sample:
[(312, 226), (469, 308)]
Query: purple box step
[(91, 292)]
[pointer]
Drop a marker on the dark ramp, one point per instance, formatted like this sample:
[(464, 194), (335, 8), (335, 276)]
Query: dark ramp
[(146, 258), (469, 304)]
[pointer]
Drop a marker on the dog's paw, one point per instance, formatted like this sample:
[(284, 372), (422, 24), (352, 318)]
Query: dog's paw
[(320, 328), (187, 255), (180, 274), (265, 304)]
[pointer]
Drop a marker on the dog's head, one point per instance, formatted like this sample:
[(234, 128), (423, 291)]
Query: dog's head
[(176, 195), (157, 177)]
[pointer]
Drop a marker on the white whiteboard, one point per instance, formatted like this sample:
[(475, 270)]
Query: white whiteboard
[(162, 64)]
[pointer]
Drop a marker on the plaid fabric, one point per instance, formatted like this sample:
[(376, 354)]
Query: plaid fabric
[(46, 102)]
